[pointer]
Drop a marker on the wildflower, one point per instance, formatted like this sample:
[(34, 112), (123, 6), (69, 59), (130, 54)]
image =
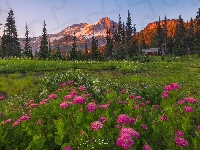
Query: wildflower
[(111, 101), (165, 94), (147, 147), (96, 125), (79, 100), (73, 93), (164, 118), (52, 96), (68, 97), (188, 109), (144, 127), (118, 126), (65, 104), (82, 88), (120, 102), (123, 119), (31, 101), (198, 127), (132, 120), (125, 141), (63, 84), (67, 148), (109, 91), (180, 102), (179, 133), (136, 107), (7, 121), (16, 123), (91, 107), (32, 105), (2, 98), (190, 100), (142, 104), (69, 82), (82, 132), (130, 131), (131, 96), (181, 142), (103, 119), (44, 101), (147, 102), (174, 86), (125, 102), (138, 97), (123, 91), (23, 118)]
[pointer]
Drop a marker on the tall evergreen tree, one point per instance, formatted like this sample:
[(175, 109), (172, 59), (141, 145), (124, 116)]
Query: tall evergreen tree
[(95, 53), (180, 38), (10, 42), (108, 51), (58, 53), (73, 52), (86, 50), (129, 31), (197, 34), (142, 43), (44, 51), (190, 37), (164, 34), (27, 48), (159, 37)]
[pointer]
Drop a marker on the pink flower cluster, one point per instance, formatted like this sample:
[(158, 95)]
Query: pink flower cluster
[(63, 85), (96, 125), (191, 100), (2, 98), (179, 133), (7, 121), (66, 104), (103, 119), (68, 97), (164, 118), (147, 147), (105, 106), (21, 119), (91, 107), (44, 101), (52, 96), (124, 119), (79, 100), (181, 142), (69, 82), (172, 86), (125, 139), (188, 109), (67, 148), (82, 88)]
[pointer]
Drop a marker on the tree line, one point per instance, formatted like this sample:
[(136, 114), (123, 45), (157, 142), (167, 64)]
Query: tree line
[(122, 42)]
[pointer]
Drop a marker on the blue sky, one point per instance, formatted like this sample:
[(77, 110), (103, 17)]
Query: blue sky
[(60, 14)]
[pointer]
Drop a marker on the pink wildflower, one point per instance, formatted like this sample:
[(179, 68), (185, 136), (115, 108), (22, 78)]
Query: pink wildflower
[(120, 102), (69, 82), (123, 119), (179, 133), (165, 94), (111, 101), (23, 118), (82, 88), (144, 127), (52, 96), (181, 142), (16, 123), (39, 122), (109, 91), (190, 100), (123, 91), (73, 93), (180, 102), (103, 119), (188, 109), (63, 84), (68, 97), (67, 148), (147, 102), (131, 96), (130, 131), (136, 107), (2, 98), (198, 127), (138, 97), (96, 125), (44, 101), (65, 104), (79, 100), (82, 132), (118, 126), (147, 147), (32, 105), (7, 121), (31, 101), (132, 120), (142, 104), (164, 118), (174, 86), (125, 141), (91, 107)]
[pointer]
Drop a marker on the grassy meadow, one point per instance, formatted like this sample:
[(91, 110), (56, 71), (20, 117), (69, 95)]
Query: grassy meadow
[(40, 99)]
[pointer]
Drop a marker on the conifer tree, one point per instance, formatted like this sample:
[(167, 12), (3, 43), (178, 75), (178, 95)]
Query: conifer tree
[(108, 51), (159, 37), (58, 53), (197, 34), (129, 31), (191, 36), (73, 52), (44, 51), (95, 53), (164, 34), (27, 48), (180, 38), (10, 42), (86, 51)]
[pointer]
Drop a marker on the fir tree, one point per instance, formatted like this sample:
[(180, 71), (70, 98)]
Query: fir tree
[(95, 53), (142, 43), (10, 42), (191, 36), (197, 34), (73, 52), (108, 52), (44, 51), (159, 37), (86, 50), (164, 34), (180, 38), (27, 48), (129, 31), (58, 53)]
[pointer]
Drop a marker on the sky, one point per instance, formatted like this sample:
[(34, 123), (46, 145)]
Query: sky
[(59, 14)]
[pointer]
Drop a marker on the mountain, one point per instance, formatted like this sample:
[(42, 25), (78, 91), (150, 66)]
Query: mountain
[(83, 32)]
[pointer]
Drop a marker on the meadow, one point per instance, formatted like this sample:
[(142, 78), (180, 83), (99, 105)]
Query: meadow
[(95, 105)]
